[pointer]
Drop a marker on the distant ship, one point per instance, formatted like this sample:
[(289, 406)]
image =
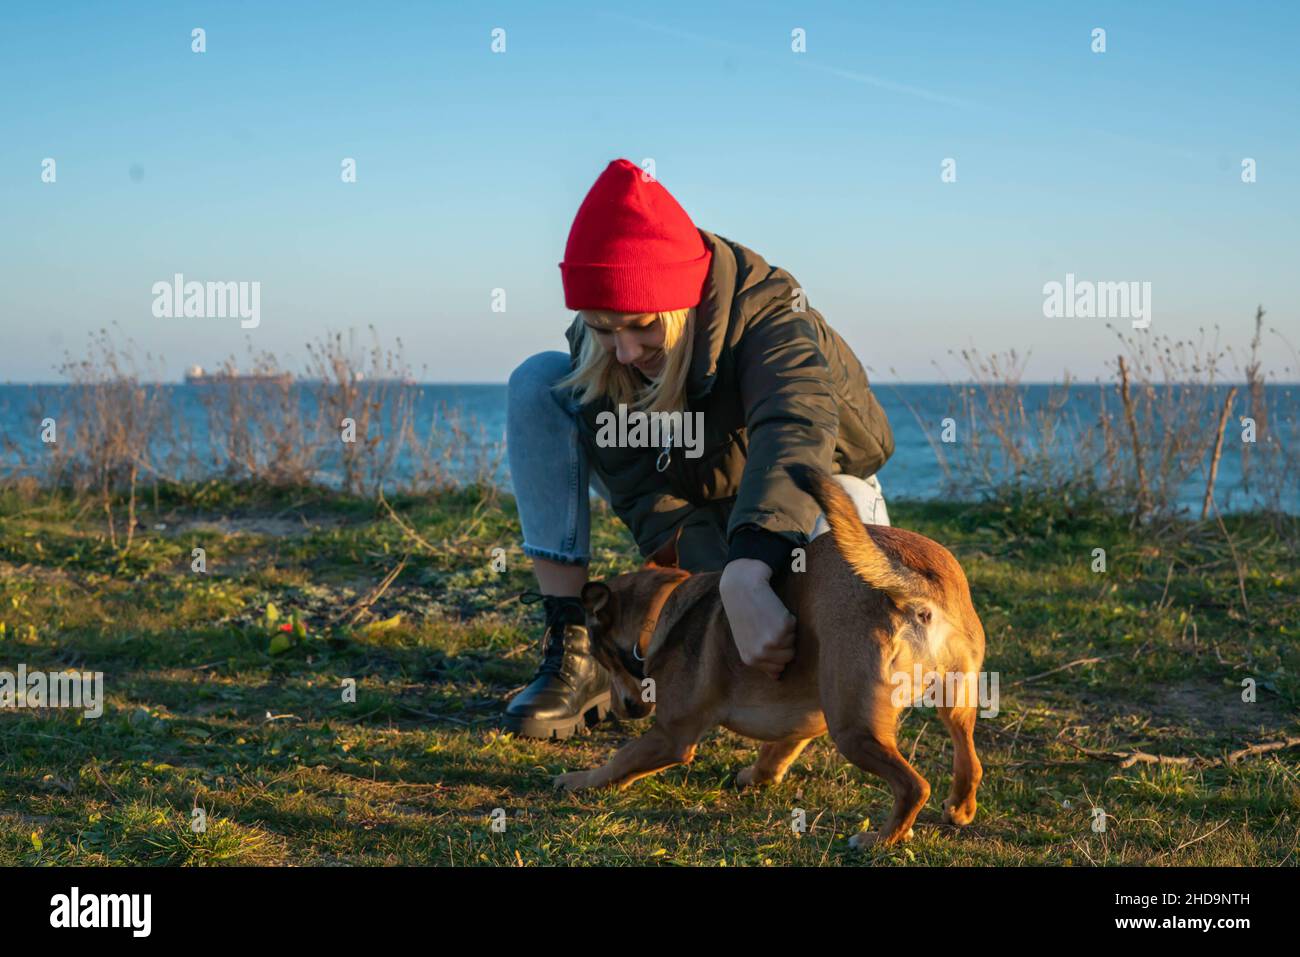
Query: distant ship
[(197, 376)]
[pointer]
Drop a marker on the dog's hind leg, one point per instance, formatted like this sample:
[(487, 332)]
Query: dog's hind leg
[(959, 809), (865, 735), (881, 757), (774, 759), (653, 751)]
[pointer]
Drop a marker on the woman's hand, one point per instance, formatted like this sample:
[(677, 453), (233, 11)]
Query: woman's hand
[(763, 628)]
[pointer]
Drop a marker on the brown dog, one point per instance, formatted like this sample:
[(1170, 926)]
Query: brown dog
[(873, 603)]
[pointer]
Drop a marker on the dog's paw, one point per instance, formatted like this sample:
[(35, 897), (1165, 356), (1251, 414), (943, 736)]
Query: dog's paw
[(752, 777), (868, 839), (958, 814), (573, 781)]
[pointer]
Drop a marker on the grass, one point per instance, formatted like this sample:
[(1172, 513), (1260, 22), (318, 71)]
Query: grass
[(200, 713)]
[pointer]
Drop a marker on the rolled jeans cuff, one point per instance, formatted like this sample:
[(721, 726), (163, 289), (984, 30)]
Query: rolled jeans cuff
[(558, 557)]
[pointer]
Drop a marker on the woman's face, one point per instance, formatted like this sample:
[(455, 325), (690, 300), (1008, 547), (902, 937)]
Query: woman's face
[(634, 338)]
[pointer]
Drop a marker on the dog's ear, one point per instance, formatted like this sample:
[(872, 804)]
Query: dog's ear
[(598, 600), (666, 555)]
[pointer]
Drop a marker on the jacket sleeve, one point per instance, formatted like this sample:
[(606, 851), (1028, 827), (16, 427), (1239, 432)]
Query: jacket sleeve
[(790, 417)]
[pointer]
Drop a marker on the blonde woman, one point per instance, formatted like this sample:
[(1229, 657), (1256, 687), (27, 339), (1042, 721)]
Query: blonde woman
[(674, 319)]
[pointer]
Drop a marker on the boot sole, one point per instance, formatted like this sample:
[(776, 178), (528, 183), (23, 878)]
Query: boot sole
[(588, 716)]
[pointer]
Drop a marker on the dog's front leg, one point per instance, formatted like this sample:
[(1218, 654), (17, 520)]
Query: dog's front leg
[(653, 751)]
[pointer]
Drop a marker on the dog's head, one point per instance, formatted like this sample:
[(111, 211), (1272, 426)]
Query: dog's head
[(622, 618)]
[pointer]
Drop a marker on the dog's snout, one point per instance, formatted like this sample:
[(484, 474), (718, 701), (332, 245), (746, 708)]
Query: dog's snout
[(635, 707)]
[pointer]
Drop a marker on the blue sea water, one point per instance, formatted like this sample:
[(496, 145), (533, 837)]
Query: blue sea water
[(916, 413)]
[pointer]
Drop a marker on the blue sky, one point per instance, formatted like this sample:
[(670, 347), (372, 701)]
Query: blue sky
[(470, 166)]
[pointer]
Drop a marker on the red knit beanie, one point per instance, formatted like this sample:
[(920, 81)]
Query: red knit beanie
[(632, 248)]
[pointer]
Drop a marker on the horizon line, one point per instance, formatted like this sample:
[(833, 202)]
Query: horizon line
[(873, 383)]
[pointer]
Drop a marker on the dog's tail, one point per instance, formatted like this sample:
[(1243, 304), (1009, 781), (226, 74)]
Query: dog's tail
[(853, 542)]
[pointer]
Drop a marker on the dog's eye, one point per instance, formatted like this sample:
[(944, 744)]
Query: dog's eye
[(924, 615)]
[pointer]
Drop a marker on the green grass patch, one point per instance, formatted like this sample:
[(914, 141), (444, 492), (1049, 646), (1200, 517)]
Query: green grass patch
[(213, 704)]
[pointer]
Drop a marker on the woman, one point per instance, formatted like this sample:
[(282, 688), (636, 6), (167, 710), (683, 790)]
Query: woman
[(672, 318)]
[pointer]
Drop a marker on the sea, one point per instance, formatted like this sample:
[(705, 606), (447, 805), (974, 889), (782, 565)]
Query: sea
[(928, 421)]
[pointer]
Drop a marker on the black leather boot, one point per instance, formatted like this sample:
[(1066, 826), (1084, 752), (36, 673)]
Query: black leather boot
[(570, 689)]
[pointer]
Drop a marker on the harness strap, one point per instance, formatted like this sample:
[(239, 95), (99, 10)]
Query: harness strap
[(642, 646)]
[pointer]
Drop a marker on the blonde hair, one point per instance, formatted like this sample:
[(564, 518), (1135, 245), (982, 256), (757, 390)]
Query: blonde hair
[(599, 375)]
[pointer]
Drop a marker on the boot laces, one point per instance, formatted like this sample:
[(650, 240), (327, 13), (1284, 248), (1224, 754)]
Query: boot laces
[(552, 639)]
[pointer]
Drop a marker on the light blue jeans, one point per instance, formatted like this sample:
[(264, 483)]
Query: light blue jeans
[(553, 481)]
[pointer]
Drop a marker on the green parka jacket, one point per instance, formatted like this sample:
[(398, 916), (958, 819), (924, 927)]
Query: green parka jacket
[(776, 385)]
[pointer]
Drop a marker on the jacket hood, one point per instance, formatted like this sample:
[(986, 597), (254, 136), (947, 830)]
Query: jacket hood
[(735, 269)]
